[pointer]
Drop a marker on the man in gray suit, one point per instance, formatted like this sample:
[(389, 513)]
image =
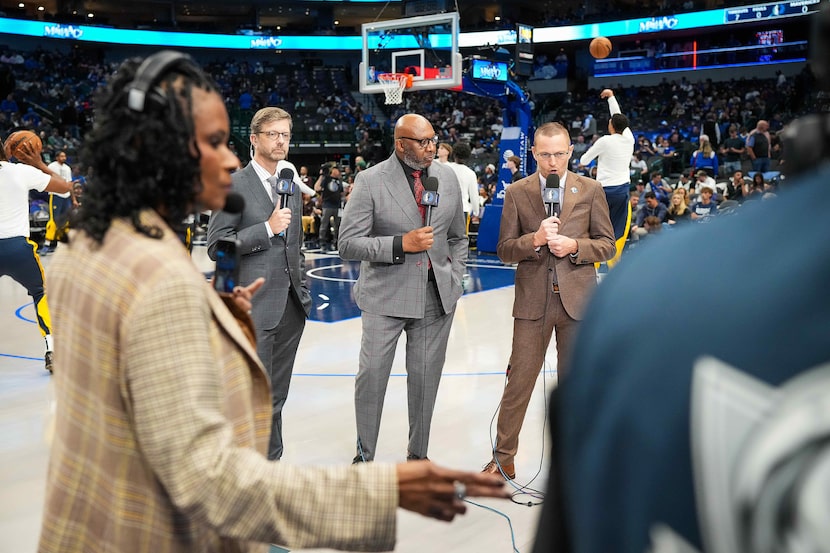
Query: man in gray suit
[(271, 239), (410, 278)]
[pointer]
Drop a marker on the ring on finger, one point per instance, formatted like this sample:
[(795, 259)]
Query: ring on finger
[(460, 490)]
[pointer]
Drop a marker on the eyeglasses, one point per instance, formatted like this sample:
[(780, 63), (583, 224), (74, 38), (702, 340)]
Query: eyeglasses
[(272, 135), (547, 155), (423, 142)]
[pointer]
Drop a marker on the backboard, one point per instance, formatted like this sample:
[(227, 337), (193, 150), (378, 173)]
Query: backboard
[(426, 47)]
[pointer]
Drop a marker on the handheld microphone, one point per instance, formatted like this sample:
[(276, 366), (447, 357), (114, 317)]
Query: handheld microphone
[(430, 197), (285, 185), (234, 203), (550, 195)]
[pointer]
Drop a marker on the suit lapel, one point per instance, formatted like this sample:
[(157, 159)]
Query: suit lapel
[(533, 192), (257, 188), (397, 184), (568, 198)]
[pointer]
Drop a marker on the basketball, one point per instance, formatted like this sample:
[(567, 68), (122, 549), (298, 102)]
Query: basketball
[(18, 138), (600, 47)]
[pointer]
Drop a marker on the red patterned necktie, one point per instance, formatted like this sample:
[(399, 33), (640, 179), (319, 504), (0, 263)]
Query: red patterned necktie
[(419, 191)]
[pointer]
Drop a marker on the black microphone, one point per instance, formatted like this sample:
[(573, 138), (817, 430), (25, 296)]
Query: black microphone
[(550, 195), (234, 203), (285, 185), (430, 197)]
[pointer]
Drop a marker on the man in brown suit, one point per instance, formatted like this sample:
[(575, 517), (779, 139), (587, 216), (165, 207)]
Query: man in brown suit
[(554, 278)]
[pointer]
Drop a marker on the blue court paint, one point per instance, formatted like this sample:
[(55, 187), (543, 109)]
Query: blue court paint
[(19, 312), (24, 357), (331, 280)]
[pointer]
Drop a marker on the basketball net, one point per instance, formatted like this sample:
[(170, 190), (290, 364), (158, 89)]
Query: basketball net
[(393, 86)]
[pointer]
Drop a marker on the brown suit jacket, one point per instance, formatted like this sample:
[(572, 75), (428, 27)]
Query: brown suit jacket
[(584, 216), (163, 417)]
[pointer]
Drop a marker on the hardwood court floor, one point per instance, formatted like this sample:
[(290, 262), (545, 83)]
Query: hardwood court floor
[(319, 414)]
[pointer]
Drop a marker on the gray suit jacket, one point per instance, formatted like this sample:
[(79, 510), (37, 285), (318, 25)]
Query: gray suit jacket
[(381, 207), (280, 261)]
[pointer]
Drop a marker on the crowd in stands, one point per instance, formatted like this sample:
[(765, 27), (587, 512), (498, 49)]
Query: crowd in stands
[(670, 119), (682, 127)]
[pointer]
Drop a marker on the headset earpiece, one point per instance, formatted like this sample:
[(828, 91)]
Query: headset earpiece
[(141, 90)]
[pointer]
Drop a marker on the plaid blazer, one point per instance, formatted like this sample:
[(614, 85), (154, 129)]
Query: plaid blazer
[(163, 415)]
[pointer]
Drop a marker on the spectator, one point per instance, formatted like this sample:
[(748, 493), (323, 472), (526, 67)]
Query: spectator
[(678, 211), (652, 225), (736, 186), (759, 146), (703, 180), (513, 164), (755, 188), (652, 208), (704, 207), (660, 187), (705, 158), (490, 177), (639, 168), (733, 148), (444, 152), (683, 181), (580, 147), (634, 201)]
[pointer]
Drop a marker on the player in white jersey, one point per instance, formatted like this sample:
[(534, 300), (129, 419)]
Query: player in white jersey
[(18, 254), (613, 154)]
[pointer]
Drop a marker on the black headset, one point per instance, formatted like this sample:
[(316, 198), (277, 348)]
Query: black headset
[(142, 91)]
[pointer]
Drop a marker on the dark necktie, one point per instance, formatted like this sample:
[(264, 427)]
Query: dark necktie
[(419, 191)]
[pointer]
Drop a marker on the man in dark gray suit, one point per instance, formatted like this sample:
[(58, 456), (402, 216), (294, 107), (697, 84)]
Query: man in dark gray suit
[(410, 278), (271, 240)]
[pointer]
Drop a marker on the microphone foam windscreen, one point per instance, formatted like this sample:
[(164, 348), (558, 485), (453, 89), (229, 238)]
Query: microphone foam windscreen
[(234, 203), (552, 181), (431, 184), (286, 173)]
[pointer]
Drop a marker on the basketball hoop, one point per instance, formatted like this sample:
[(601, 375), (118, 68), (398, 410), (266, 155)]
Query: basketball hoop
[(393, 86)]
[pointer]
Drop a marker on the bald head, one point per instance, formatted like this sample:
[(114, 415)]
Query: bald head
[(413, 124), (415, 141)]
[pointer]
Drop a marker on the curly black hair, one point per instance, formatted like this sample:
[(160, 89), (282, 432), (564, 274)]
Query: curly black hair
[(143, 159)]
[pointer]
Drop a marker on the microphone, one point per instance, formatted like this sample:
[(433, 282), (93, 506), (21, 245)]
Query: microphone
[(285, 185), (234, 203), (550, 195), (430, 197)]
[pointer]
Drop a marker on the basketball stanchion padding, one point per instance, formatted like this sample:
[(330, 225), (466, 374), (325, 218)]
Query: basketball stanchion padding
[(393, 86)]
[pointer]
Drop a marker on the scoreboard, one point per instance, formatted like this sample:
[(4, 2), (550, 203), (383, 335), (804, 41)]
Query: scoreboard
[(746, 14)]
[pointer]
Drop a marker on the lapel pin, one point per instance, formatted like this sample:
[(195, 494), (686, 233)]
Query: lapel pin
[(573, 189)]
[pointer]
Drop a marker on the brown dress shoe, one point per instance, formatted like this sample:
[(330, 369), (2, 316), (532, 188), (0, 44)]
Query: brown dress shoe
[(508, 471)]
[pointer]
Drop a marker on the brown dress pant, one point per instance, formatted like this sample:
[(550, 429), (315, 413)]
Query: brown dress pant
[(530, 342)]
